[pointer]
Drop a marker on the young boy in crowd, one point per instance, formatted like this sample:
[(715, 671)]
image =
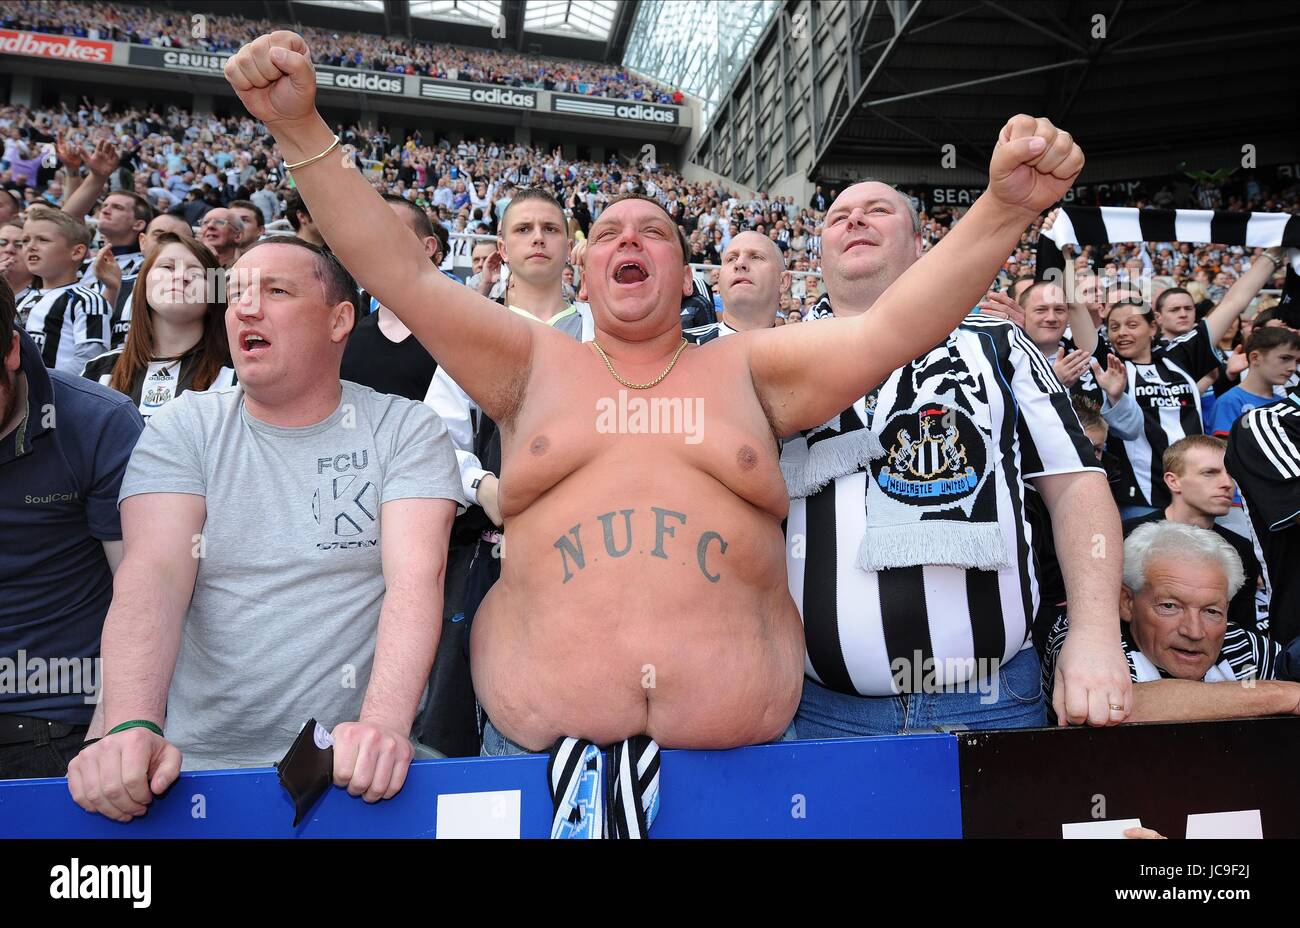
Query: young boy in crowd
[(1273, 352), (69, 322)]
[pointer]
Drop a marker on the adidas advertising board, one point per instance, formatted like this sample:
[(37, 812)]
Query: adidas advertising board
[(368, 81), (462, 92), (625, 110)]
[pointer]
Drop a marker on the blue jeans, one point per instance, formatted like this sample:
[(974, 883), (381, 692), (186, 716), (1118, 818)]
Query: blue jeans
[(496, 744), (1016, 701)]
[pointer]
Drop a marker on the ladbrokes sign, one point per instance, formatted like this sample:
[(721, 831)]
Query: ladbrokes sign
[(63, 47), (625, 110)]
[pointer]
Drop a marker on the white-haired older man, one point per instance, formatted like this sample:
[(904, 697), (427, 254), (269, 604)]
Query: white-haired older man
[(1187, 661)]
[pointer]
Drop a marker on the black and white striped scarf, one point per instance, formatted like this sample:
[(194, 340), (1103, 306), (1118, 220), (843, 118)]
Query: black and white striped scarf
[(586, 806), (843, 445), (840, 446), (1105, 225)]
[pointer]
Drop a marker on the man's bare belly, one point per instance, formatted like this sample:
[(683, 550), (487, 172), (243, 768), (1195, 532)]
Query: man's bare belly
[(645, 591)]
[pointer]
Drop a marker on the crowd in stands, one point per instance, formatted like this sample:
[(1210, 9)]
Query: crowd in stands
[(193, 163), (398, 55), (148, 179), (190, 164)]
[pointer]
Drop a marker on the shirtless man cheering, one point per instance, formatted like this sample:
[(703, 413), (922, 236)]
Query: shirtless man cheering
[(644, 589)]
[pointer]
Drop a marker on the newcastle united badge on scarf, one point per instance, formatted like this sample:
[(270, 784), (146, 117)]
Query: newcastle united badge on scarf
[(935, 456)]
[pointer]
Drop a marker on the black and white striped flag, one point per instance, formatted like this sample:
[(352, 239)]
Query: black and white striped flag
[(1105, 225)]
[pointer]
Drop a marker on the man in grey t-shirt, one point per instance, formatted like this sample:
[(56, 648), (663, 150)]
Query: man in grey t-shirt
[(285, 542)]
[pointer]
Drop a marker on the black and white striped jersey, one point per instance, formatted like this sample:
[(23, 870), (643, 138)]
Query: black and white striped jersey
[(1244, 655), (129, 260), (1165, 390), (1015, 423), (18, 302), (707, 333), (121, 326), (820, 310), (1264, 458), (70, 325), (161, 381)]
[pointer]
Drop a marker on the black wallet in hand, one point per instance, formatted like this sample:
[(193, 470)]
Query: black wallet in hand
[(307, 771)]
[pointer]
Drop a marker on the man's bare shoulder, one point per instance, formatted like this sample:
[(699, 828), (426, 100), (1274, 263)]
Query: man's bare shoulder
[(554, 359)]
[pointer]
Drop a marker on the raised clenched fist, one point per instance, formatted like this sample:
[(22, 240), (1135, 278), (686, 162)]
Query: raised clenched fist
[(274, 78), (1033, 165)]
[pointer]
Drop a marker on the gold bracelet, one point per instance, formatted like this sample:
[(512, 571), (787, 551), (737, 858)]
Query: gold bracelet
[(302, 164)]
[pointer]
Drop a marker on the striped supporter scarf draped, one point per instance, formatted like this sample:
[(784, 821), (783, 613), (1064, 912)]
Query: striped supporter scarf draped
[(586, 806)]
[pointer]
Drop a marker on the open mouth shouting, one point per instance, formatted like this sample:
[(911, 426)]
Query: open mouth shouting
[(251, 342), (630, 272)]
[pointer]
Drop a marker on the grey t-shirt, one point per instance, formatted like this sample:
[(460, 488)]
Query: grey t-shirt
[(283, 622)]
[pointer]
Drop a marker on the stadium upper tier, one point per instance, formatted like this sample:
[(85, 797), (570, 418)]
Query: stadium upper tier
[(398, 55), (175, 156)]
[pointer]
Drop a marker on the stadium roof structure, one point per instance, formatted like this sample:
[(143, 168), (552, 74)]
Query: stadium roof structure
[(592, 30), (722, 37), (1124, 75)]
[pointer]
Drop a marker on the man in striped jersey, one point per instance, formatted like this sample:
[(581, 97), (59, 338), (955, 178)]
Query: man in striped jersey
[(69, 322), (751, 281), (122, 221), (1264, 458), (908, 548), (1186, 660), (1162, 380)]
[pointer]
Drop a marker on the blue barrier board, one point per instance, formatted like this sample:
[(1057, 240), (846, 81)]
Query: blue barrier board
[(905, 786)]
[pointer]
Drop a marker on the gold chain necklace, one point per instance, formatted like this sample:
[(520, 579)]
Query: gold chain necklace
[(641, 386)]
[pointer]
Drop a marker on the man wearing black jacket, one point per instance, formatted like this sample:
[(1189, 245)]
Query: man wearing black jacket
[(382, 353), (64, 446)]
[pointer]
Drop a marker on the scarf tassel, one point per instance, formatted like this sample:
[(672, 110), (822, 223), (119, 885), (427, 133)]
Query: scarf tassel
[(830, 458), (948, 543)]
